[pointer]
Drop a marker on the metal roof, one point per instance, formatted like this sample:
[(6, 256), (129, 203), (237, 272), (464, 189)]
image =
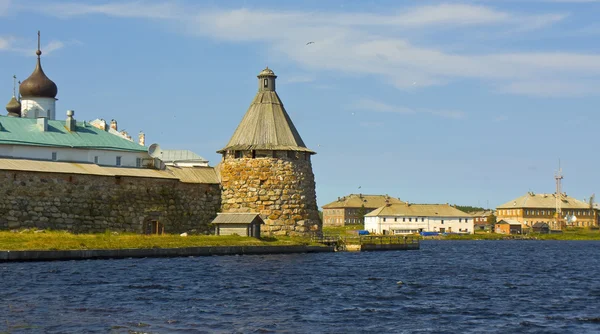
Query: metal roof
[(194, 174), (205, 175), (419, 210), (359, 200), (236, 218), (544, 201), (180, 155), (266, 126), (25, 131), (80, 168), (509, 222)]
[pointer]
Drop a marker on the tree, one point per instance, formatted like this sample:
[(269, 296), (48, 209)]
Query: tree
[(362, 211)]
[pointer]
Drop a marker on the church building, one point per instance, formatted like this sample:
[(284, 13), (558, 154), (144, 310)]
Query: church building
[(31, 130)]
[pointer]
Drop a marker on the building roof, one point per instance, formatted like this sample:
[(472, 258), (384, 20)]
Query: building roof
[(236, 218), (13, 107), (38, 84), (541, 225), (266, 126), (482, 213), (544, 201), (509, 222), (186, 175), (419, 210), (359, 200), (180, 155), (24, 131), (194, 174), (267, 72)]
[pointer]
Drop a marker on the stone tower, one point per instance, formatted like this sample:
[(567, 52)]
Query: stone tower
[(266, 167)]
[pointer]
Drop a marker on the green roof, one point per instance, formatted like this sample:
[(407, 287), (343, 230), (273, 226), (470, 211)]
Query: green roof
[(25, 131)]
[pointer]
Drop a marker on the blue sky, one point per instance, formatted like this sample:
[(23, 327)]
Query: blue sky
[(462, 102)]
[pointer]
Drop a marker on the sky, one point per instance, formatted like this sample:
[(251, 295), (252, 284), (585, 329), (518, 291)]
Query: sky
[(460, 102)]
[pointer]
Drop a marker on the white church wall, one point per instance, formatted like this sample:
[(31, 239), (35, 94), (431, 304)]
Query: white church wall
[(34, 107)]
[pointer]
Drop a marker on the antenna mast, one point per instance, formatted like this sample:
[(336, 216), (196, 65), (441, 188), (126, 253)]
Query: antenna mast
[(558, 177)]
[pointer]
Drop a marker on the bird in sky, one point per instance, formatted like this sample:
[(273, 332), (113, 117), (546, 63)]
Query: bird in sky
[(359, 187), (310, 43)]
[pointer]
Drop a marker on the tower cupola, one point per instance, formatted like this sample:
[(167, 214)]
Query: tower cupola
[(266, 80), (38, 92), (14, 106)]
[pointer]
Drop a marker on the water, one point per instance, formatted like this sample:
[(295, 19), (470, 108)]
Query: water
[(448, 287)]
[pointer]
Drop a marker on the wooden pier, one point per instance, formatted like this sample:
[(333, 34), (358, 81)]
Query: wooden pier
[(369, 242)]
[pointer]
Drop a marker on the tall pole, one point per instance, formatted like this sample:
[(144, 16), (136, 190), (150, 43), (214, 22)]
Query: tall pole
[(558, 177)]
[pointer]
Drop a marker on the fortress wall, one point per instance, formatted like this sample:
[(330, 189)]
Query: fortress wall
[(280, 189), (90, 203)]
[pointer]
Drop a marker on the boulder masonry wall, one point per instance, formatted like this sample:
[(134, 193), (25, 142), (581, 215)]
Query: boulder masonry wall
[(92, 203), (280, 189)]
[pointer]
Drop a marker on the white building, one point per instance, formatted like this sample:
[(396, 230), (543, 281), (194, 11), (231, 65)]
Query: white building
[(415, 218), (31, 131)]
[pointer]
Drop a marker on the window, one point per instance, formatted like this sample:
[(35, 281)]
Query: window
[(403, 219), (466, 220), (460, 220), (118, 161), (96, 160), (423, 219), (384, 219), (395, 219), (442, 221), (54, 156), (138, 162), (266, 83), (409, 219)]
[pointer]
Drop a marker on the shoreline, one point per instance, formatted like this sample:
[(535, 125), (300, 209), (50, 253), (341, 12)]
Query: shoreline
[(102, 254)]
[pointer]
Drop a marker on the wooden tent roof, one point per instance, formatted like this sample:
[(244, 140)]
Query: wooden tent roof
[(266, 126)]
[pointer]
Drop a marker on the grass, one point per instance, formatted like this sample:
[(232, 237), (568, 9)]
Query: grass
[(568, 234), (58, 240), (342, 230)]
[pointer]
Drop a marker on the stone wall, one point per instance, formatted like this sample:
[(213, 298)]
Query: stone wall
[(89, 203), (280, 189)]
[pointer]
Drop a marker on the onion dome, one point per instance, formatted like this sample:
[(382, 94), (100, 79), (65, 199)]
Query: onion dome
[(13, 107), (38, 84), (267, 72)]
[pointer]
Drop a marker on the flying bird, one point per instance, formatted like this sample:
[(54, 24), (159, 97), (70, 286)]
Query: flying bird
[(310, 43)]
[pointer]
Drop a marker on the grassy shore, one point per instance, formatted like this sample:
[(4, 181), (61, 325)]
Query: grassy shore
[(57, 240), (568, 234)]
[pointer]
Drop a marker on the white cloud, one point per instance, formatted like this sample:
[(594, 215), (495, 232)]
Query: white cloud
[(374, 44), (4, 43), (378, 106), (134, 9)]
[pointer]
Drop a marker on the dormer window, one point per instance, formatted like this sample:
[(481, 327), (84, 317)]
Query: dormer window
[(266, 83)]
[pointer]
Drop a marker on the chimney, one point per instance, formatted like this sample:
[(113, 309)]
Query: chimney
[(71, 124), (42, 124), (142, 139), (102, 125), (113, 125)]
